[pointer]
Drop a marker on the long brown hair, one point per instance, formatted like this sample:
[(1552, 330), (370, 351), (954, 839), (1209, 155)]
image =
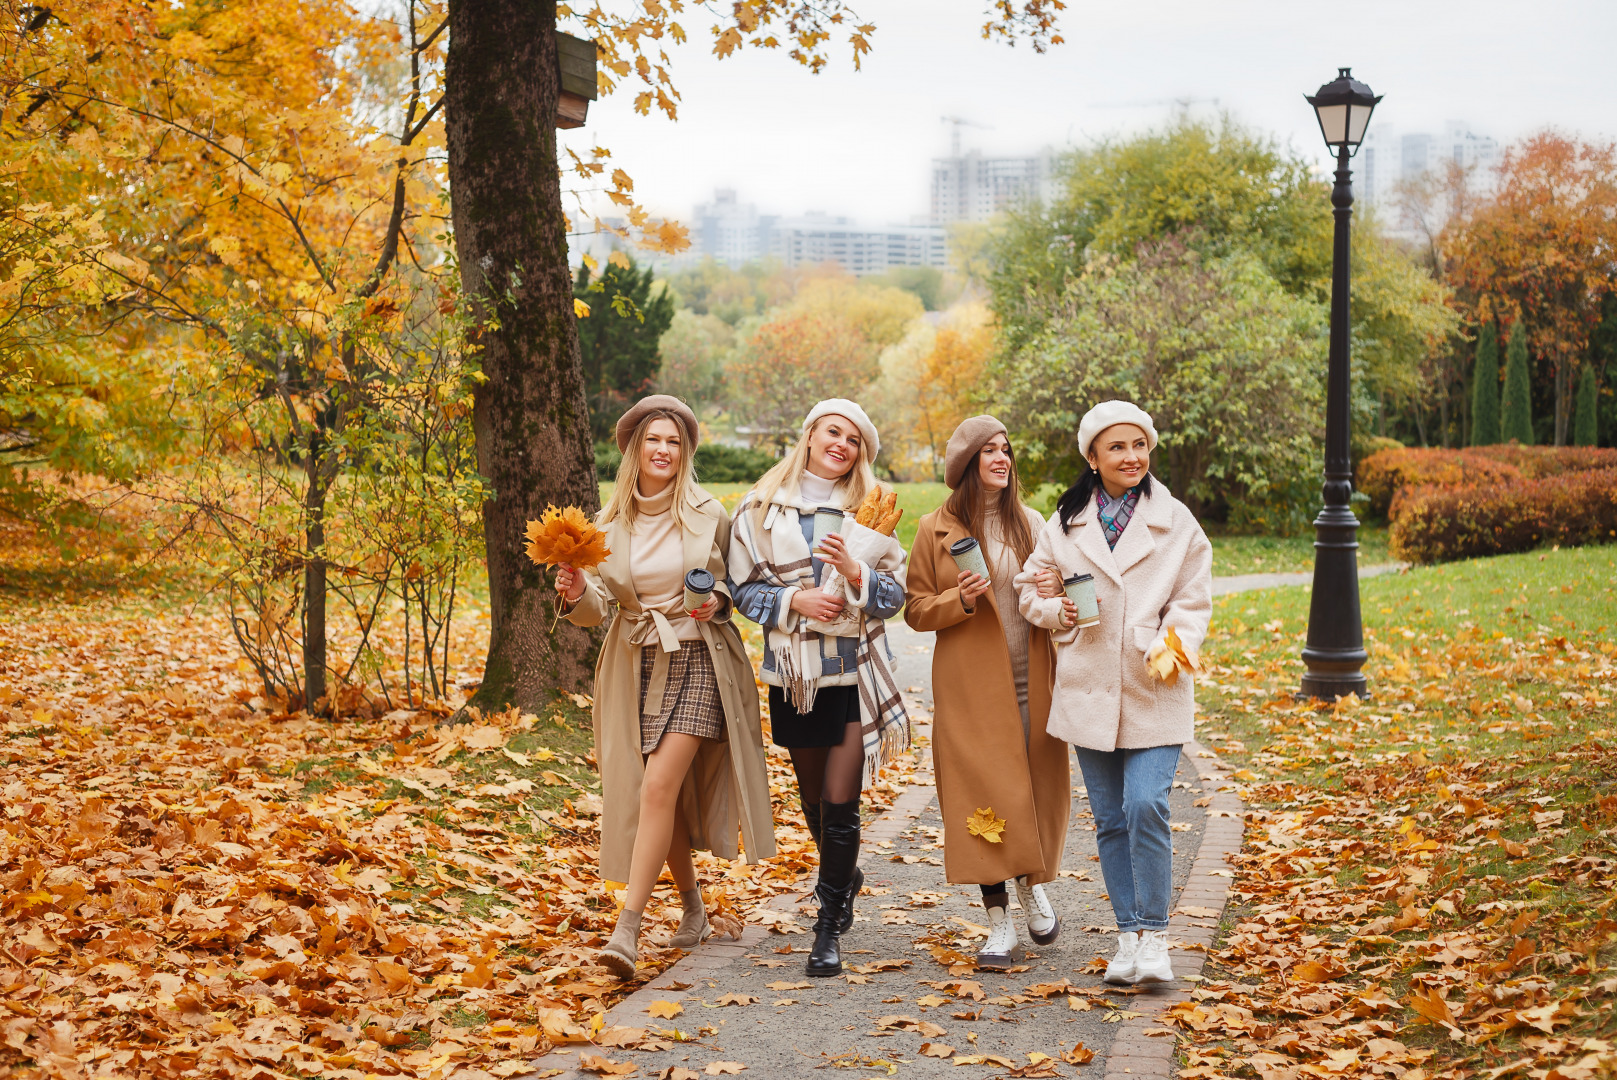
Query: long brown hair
[(968, 505)]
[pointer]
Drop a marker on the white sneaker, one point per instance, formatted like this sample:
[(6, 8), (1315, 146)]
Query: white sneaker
[(1121, 969), (1151, 962), (1043, 925), (1002, 949)]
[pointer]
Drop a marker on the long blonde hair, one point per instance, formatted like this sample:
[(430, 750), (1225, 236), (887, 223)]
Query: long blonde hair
[(624, 502), (850, 491)]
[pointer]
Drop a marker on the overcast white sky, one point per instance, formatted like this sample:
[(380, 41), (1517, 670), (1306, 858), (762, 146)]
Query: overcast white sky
[(861, 143)]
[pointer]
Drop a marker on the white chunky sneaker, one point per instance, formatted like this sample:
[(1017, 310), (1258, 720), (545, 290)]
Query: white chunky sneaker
[(1002, 949), (1151, 962), (1121, 968), (1043, 924)]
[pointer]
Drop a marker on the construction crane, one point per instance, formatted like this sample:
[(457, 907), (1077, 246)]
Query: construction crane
[(957, 123)]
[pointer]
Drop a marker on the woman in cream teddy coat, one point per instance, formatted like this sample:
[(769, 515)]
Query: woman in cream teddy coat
[(1152, 570)]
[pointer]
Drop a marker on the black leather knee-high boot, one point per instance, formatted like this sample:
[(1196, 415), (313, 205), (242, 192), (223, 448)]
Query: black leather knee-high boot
[(839, 873), (811, 815)]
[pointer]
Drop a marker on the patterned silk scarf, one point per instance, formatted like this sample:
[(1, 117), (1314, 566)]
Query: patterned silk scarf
[(1114, 514)]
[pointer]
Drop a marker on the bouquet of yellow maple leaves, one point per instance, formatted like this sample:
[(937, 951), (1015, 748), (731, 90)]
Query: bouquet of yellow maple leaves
[(1167, 664), (566, 537)]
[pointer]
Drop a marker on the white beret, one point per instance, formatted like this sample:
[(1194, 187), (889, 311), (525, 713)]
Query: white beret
[(843, 407), (1106, 414)]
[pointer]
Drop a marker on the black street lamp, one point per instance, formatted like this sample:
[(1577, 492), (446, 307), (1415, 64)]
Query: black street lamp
[(1335, 656)]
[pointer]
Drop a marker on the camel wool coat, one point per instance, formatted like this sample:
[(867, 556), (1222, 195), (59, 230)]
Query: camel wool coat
[(727, 787), (1160, 575), (978, 752)]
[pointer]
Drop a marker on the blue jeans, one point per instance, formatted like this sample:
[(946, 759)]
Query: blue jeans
[(1128, 794)]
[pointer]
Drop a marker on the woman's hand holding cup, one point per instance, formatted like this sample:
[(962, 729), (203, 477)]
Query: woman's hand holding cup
[(833, 549), (569, 582), (1069, 613), (707, 610), (971, 587)]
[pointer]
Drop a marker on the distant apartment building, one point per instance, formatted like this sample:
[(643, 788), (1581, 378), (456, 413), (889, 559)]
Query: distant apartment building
[(816, 239), (973, 187), (1389, 156), (728, 231)]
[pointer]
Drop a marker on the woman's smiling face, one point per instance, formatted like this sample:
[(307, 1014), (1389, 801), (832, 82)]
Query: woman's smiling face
[(994, 464), (660, 451), (834, 447), (1122, 455)]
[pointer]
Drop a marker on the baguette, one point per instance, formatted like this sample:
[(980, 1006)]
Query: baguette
[(889, 522), (870, 509)]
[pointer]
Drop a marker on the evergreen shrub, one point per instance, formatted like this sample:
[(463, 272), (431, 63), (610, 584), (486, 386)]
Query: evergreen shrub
[(1384, 476)]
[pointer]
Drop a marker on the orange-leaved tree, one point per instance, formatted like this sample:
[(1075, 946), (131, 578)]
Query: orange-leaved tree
[(1541, 251)]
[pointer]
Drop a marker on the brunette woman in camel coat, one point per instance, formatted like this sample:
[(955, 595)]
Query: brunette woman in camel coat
[(991, 678)]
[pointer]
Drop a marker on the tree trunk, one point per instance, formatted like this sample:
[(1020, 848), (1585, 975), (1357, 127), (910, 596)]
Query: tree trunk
[(532, 425), (1562, 410), (314, 575)]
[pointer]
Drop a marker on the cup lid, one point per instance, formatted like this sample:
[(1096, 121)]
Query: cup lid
[(960, 547), (1077, 578), (700, 580)]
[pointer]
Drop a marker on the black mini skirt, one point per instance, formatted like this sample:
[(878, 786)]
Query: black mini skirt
[(835, 707)]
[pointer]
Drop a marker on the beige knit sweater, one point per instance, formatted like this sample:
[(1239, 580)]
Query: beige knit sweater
[(657, 557), (1003, 565)]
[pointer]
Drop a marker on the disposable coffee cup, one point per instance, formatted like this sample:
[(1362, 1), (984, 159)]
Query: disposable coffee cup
[(827, 520), (1080, 589), (968, 556), (698, 587)]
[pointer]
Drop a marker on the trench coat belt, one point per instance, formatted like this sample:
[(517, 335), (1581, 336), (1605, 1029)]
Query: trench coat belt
[(644, 626)]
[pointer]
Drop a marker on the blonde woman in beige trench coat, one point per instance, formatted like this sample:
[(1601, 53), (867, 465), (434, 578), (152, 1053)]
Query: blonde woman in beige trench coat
[(991, 677), (677, 729)]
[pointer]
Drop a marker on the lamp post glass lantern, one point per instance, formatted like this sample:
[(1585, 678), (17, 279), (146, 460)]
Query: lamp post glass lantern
[(1334, 656)]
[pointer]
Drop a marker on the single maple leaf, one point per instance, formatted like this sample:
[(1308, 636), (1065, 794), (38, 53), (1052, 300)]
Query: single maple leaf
[(721, 1068), (736, 999), (984, 824), (665, 1010), (1078, 1055), (937, 1050), (1428, 1003)]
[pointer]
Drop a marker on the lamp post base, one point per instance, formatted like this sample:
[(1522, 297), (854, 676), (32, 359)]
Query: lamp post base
[(1334, 656)]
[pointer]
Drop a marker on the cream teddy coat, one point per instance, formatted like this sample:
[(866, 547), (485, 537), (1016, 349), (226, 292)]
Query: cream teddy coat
[(1160, 575)]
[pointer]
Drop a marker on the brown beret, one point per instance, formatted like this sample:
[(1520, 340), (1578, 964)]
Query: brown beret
[(657, 403), (967, 439)]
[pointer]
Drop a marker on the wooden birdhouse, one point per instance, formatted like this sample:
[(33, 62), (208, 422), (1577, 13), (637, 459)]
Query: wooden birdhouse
[(575, 57)]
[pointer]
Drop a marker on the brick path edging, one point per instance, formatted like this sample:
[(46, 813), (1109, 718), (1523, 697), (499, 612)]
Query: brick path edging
[(1145, 1047)]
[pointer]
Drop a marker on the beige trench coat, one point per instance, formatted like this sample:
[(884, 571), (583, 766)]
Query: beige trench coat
[(1160, 575), (727, 787), (978, 751)]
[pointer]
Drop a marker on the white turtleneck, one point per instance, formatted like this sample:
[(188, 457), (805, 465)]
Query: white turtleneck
[(816, 490)]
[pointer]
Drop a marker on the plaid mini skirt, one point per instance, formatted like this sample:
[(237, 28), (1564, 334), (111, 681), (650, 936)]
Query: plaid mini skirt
[(691, 703)]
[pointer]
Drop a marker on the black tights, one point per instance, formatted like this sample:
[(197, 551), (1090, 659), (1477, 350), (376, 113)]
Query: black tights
[(831, 774), (991, 891)]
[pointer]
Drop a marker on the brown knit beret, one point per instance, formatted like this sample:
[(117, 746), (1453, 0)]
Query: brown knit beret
[(657, 403), (967, 439)]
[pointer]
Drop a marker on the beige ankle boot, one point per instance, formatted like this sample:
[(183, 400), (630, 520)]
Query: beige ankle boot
[(623, 950), (693, 927)]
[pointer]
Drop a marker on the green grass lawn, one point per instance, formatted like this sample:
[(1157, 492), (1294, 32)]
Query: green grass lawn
[(1472, 796), (1234, 555)]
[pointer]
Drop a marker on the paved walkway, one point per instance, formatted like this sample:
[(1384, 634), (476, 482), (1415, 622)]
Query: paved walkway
[(748, 1002), (1247, 582)]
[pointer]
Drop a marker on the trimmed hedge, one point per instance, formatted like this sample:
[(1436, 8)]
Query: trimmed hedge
[(1382, 475), (1440, 523)]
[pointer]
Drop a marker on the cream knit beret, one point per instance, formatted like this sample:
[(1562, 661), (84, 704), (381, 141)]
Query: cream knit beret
[(970, 437), (656, 403), (843, 407), (1106, 414)]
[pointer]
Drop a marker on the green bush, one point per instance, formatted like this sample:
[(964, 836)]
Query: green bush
[(1443, 523), (607, 459), (717, 463)]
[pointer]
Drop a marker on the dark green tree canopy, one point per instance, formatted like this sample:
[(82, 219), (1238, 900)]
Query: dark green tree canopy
[(1516, 403), (618, 339)]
